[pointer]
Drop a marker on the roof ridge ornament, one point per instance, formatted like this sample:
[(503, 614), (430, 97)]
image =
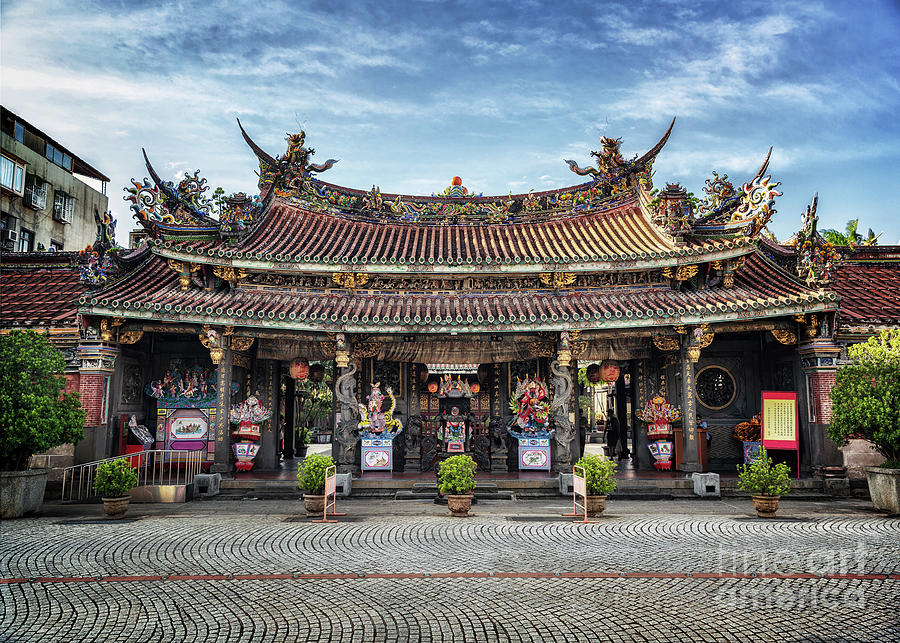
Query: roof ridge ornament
[(612, 168), (291, 170), (816, 257), (164, 203)]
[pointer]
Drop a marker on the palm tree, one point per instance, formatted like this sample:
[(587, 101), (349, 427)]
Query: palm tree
[(851, 237)]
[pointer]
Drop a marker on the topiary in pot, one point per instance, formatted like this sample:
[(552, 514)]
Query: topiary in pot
[(600, 480), (35, 416), (766, 482), (311, 478), (113, 480), (865, 403), (456, 480)]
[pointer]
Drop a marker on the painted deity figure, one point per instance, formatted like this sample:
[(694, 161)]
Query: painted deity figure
[(373, 419), (533, 412), (454, 429)]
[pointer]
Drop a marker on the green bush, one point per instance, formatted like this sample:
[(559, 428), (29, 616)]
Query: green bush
[(599, 473), (35, 415), (311, 473), (865, 400), (762, 477), (456, 475), (115, 478)]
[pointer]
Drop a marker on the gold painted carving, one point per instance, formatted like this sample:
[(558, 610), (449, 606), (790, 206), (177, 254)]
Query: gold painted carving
[(365, 349), (681, 329), (728, 280), (557, 279), (693, 353), (229, 274), (240, 360), (786, 337), (540, 349), (666, 342), (681, 273), (350, 279), (240, 343), (812, 328), (130, 336)]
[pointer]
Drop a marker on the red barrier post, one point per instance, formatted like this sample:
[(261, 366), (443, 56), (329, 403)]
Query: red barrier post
[(579, 488), (330, 489)]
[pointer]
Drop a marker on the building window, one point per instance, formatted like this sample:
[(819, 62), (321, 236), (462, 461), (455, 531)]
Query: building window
[(63, 207), (716, 388), (36, 193), (26, 240), (20, 132), (12, 175), (58, 156), (55, 246)]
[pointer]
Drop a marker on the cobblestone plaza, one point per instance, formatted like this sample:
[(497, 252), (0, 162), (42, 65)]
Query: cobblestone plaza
[(259, 571)]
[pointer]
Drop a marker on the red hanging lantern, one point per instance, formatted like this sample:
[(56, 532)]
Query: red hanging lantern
[(475, 386), (609, 370), (433, 384), (593, 373), (299, 368)]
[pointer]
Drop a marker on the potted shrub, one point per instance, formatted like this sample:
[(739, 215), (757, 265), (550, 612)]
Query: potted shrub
[(766, 482), (35, 416), (456, 480), (865, 403), (302, 443), (113, 481), (600, 480), (311, 478)]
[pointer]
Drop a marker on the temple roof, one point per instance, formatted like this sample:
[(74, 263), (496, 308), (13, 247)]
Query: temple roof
[(293, 238), (39, 290), (868, 281), (761, 290)]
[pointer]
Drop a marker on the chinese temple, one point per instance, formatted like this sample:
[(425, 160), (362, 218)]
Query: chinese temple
[(467, 315)]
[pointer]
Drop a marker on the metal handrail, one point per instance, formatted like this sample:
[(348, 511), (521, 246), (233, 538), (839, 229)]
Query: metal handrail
[(155, 468)]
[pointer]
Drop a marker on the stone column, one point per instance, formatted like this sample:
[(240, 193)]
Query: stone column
[(268, 390), (222, 426), (97, 361), (346, 438), (559, 407), (818, 360), (690, 446)]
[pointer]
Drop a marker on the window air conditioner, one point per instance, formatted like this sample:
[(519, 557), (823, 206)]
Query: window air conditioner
[(9, 235), (36, 196)]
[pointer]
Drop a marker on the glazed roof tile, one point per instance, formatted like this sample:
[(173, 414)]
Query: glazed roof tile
[(153, 290), (870, 293), (39, 291), (291, 234)]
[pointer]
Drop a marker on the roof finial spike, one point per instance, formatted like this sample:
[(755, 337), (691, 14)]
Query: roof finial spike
[(765, 165), (260, 153), (649, 156)]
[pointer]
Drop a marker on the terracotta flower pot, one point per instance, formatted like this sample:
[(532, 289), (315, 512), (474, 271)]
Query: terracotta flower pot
[(596, 505), (313, 504), (116, 507), (765, 506), (459, 505)]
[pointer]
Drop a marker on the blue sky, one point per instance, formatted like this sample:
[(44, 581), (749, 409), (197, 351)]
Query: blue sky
[(409, 94)]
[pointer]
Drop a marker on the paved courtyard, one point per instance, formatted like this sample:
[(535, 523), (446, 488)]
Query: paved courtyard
[(259, 571)]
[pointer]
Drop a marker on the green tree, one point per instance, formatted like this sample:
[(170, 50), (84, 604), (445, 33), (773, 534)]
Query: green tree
[(35, 415), (865, 400), (850, 236)]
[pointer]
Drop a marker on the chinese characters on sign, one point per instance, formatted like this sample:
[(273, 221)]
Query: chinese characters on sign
[(779, 420)]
